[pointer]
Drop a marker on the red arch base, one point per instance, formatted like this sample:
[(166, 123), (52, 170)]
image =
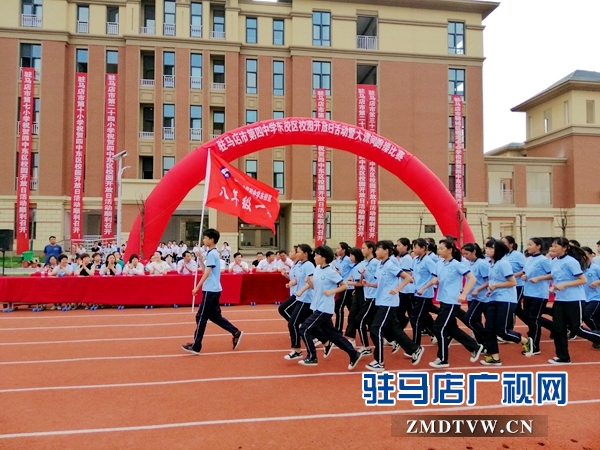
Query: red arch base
[(179, 180)]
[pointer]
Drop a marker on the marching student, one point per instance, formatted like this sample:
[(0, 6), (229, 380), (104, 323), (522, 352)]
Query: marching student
[(366, 313), (591, 314), (404, 248), (343, 265), (536, 291), (303, 295), (517, 262), (423, 272), (209, 309), (387, 301), (358, 297), (449, 276), (477, 300), (286, 307), (325, 282), (499, 318)]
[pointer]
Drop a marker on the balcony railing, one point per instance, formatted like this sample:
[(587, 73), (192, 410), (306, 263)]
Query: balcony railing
[(28, 20), (36, 76), (196, 31), (217, 86), (83, 27), (146, 83), (217, 34), (366, 42), (539, 197), (146, 134), (147, 30), (196, 82), (169, 133), (169, 81), (35, 128), (33, 183), (112, 28), (500, 197), (195, 134), (169, 29), (214, 136)]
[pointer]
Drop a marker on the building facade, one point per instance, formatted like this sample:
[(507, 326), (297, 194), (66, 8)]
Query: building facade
[(190, 70)]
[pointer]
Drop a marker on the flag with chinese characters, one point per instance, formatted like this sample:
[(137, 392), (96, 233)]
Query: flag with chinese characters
[(233, 192)]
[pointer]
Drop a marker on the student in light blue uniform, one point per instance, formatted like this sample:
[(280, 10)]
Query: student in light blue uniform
[(300, 273), (404, 247), (502, 292), (325, 282), (477, 299), (517, 262), (591, 314), (358, 296), (449, 277), (287, 306), (423, 272), (343, 265), (366, 313), (536, 291), (387, 300)]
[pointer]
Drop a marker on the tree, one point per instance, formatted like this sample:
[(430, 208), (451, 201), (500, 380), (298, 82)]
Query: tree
[(481, 217), (563, 221), (421, 216)]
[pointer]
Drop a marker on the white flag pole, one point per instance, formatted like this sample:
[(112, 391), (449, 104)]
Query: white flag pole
[(206, 183)]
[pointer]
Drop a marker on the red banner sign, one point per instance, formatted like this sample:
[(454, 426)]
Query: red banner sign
[(110, 141), (367, 205), (79, 136), (459, 148), (25, 124), (321, 176)]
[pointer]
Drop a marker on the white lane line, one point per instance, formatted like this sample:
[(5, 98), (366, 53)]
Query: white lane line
[(152, 338), (263, 377), (269, 419), (114, 325)]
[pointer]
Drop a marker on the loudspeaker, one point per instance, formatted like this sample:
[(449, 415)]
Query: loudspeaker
[(6, 240)]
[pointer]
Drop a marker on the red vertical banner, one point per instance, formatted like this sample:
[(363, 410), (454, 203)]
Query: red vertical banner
[(79, 128), (23, 172), (110, 139), (367, 205), (361, 170), (321, 176), (459, 149)]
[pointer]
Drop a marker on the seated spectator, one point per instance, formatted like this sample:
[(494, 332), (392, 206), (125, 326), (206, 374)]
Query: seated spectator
[(119, 260), (157, 266), (283, 262), (259, 258), (85, 268), (187, 265), (134, 266), (170, 262), (111, 268), (76, 263), (97, 260), (49, 267), (268, 264), (62, 269), (238, 265), (96, 247)]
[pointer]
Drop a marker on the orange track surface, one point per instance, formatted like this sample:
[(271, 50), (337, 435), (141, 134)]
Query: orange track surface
[(75, 380)]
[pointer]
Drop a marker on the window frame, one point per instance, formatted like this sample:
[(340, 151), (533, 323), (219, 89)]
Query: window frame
[(279, 175), (249, 28), (321, 77), (453, 35), (80, 65), (164, 171), (251, 74), (320, 28), (112, 67), (250, 112), (454, 82), (168, 120), (276, 31), (278, 78), (250, 173)]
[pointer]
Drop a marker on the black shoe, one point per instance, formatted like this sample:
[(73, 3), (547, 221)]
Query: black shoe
[(308, 362), (557, 360), (354, 360), (328, 349), (188, 348), (237, 337)]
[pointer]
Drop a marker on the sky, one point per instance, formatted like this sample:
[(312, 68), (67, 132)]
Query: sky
[(528, 46)]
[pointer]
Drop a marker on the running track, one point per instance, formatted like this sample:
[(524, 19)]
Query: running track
[(113, 379)]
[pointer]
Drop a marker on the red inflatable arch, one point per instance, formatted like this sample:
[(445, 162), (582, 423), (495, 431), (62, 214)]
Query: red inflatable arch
[(187, 173)]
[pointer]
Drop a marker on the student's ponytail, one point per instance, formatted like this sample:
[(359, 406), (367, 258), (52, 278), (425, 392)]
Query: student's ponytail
[(473, 247), (389, 246), (574, 252), (450, 244), (309, 252)]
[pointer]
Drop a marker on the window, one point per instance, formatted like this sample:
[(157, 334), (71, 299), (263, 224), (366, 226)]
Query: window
[(429, 229), (456, 38), (278, 77), (452, 179), (170, 12), (327, 223), (566, 112), (218, 23), (31, 56), (278, 176), (112, 20), (168, 163), (32, 12), (547, 121), (252, 168), (196, 71), (148, 66), (278, 32), (278, 114), (366, 74), (83, 19), (590, 111), (148, 119), (366, 32), (451, 132), (456, 82), (251, 76), (327, 178), (196, 20), (112, 61), (218, 122), (82, 60), (251, 30), (169, 69), (539, 186), (146, 167), (251, 116), (218, 71), (149, 20), (169, 116), (195, 123), (322, 76), (327, 115), (321, 29)]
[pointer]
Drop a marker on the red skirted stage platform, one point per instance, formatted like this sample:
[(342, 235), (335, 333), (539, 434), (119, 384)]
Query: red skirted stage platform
[(140, 290)]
